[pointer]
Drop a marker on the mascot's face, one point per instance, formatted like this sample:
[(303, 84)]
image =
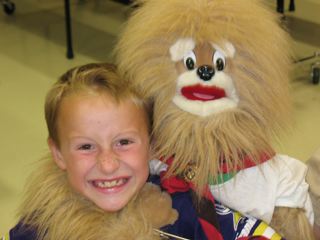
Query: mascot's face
[(203, 86)]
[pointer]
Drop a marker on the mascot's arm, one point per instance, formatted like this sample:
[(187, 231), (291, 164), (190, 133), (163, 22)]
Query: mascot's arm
[(151, 210), (292, 191), (293, 216), (256, 191)]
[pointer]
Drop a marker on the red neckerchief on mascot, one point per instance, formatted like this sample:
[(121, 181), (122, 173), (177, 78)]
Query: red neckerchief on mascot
[(175, 184), (208, 222)]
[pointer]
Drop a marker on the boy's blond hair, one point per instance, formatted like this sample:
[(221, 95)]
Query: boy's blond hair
[(100, 78)]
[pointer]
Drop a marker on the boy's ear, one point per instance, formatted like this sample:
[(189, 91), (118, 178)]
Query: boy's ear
[(56, 154)]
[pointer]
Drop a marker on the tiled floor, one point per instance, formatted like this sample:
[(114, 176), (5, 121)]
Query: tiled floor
[(32, 56)]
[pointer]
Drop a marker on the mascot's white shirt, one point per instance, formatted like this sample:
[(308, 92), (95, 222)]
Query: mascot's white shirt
[(256, 191)]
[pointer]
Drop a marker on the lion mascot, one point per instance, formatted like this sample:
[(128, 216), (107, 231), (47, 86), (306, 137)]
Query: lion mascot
[(217, 74)]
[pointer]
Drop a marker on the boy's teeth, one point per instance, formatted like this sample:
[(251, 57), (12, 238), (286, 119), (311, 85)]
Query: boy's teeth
[(109, 184)]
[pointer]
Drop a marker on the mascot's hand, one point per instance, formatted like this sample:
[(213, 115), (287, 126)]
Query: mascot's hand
[(151, 210), (156, 206)]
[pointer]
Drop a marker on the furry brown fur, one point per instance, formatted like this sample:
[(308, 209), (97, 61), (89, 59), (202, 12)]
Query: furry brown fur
[(282, 222), (143, 55), (59, 213), (259, 70)]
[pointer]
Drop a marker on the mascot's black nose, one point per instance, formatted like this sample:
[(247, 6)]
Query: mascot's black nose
[(205, 72)]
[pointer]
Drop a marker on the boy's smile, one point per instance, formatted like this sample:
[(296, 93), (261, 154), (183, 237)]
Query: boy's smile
[(104, 147), (109, 184)]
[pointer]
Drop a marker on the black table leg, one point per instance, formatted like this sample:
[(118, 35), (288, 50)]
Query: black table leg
[(68, 29), (280, 6)]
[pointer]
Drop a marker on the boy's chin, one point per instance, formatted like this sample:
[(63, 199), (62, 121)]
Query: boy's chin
[(112, 203), (112, 206)]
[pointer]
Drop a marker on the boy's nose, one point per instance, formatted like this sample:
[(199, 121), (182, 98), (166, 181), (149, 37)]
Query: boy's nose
[(108, 161)]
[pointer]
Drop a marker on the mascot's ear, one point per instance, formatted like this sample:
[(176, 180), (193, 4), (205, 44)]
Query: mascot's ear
[(227, 49), (56, 154), (180, 47)]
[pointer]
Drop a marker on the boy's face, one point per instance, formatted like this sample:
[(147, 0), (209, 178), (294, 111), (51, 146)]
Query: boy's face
[(104, 147)]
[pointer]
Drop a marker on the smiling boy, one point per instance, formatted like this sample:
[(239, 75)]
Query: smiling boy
[(93, 185)]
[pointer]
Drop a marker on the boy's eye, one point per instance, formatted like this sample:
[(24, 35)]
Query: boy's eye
[(85, 147), (124, 142)]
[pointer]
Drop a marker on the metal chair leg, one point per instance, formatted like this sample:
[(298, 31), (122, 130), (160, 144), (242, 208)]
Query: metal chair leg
[(68, 29), (292, 6), (280, 6)]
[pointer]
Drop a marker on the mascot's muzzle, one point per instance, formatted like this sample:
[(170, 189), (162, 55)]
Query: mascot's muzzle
[(206, 72)]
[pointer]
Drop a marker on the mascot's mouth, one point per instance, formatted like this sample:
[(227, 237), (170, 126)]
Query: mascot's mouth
[(203, 93)]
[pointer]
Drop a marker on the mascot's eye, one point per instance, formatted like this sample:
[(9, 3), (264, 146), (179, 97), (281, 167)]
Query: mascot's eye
[(219, 60), (189, 60)]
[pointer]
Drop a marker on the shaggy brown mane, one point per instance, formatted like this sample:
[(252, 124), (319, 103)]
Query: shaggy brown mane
[(261, 83)]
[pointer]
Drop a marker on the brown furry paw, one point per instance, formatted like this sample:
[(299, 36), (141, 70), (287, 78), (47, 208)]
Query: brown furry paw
[(157, 206), (292, 224)]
